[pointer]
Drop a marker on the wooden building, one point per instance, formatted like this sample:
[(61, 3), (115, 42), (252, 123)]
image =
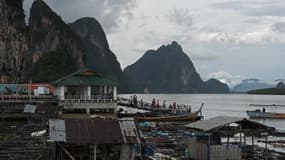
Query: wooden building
[(86, 91), (87, 139), (207, 144)]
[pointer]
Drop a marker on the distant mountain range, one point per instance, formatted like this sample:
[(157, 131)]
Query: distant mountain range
[(251, 84), (280, 85), (279, 89), (169, 70)]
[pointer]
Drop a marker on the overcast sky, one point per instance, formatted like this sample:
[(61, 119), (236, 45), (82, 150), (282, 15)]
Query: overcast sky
[(226, 39)]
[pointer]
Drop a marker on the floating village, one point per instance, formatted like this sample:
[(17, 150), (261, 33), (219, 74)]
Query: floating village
[(81, 117)]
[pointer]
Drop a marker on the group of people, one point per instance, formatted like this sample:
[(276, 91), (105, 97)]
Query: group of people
[(133, 101), (174, 106)]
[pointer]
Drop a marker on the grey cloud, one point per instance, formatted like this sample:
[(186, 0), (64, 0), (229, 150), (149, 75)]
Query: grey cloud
[(107, 12), (181, 17), (253, 20), (235, 5), (274, 11), (225, 77), (254, 8), (183, 24), (203, 57), (278, 27)]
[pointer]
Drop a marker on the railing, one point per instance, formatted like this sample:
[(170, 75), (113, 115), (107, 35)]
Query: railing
[(26, 98), (50, 98), (86, 99)]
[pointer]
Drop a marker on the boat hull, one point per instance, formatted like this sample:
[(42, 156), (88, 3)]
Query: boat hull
[(190, 117), (259, 114), (184, 118)]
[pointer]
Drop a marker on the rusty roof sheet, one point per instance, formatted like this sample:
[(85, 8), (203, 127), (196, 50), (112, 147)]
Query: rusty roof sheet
[(93, 131), (47, 109), (57, 130), (129, 131), (42, 109), (212, 123), (30, 108)]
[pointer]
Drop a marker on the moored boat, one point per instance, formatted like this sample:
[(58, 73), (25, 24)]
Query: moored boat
[(189, 117), (261, 114)]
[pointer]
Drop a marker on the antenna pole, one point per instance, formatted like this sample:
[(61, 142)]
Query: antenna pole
[(30, 91)]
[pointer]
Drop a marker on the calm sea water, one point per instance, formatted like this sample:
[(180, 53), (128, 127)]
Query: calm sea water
[(223, 104)]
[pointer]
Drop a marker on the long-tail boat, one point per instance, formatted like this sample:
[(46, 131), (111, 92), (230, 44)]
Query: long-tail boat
[(260, 114), (188, 117), (263, 113)]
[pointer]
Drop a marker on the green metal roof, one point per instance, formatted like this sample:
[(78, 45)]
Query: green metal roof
[(13, 88), (9, 88), (3, 88), (86, 77)]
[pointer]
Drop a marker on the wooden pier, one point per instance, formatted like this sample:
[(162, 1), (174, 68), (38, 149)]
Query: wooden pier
[(145, 106)]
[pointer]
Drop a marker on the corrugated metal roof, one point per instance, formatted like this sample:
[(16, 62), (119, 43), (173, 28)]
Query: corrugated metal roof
[(57, 130), (33, 86), (213, 123), (48, 109), (129, 131), (87, 76), (93, 131), (42, 109), (13, 88), (30, 108)]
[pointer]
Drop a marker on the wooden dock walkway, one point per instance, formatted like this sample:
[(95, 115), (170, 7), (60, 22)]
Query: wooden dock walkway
[(145, 106), (154, 109)]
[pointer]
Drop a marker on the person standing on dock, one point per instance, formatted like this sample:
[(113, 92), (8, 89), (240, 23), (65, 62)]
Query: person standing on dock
[(131, 100), (135, 100), (163, 104), (174, 106), (170, 107), (141, 102), (153, 102), (189, 108), (157, 103)]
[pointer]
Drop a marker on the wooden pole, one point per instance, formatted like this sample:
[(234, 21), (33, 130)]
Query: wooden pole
[(252, 141), (66, 152), (95, 151), (228, 137), (30, 91), (266, 149), (209, 146), (244, 138), (240, 134), (2, 94)]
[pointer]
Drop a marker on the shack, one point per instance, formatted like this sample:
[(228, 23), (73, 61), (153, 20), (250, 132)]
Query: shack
[(38, 88), (86, 91), (93, 138), (208, 145)]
